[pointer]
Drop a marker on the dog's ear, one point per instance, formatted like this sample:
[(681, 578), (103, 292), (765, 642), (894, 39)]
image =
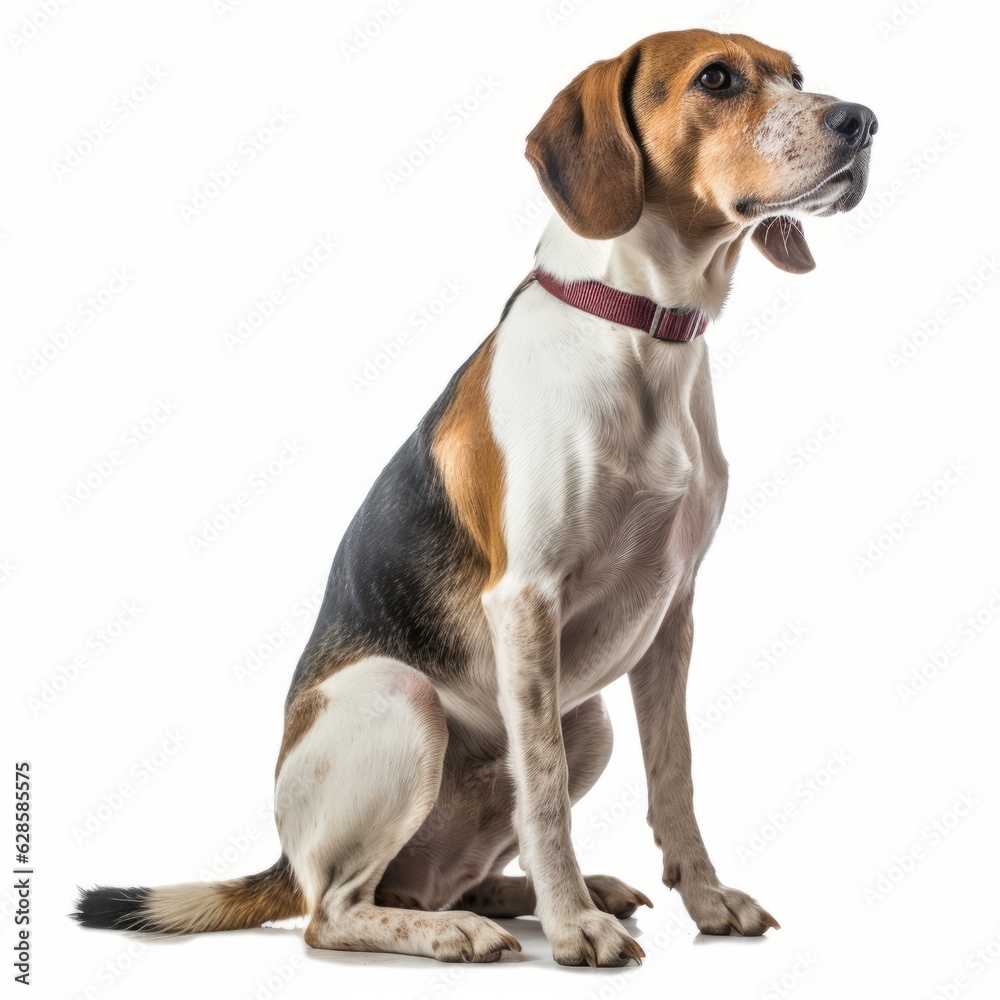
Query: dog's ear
[(585, 154), (781, 240)]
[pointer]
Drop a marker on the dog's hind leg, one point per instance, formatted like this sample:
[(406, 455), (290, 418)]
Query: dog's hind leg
[(361, 777), (504, 896)]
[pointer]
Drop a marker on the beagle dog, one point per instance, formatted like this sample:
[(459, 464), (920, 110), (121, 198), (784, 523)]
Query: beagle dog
[(537, 537)]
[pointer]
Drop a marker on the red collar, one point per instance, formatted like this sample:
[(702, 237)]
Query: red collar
[(625, 308)]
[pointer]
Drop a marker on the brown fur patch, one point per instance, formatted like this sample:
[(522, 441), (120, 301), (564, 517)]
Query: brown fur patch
[(583, 147), (194, 907), (271, 895), (299, 717), (698, 158), (471, 465)]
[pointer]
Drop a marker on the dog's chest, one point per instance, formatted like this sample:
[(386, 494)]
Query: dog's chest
[(650, 525), (615, 485)]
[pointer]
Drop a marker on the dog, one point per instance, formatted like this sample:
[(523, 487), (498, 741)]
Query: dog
[(537, 537)]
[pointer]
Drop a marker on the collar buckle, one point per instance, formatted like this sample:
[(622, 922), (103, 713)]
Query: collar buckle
[(654, 327)]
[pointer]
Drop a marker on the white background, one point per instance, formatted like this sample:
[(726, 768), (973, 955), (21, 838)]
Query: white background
[(831, 735)]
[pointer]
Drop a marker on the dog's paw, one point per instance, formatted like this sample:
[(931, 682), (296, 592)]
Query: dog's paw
[(614, 896), (468, 937), (593, 938), (717, 909)]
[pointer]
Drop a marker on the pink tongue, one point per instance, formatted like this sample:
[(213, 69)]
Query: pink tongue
[(781, 240)]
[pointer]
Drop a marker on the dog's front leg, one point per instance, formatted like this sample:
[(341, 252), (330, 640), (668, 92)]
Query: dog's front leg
[(524, 621), (659, 684)]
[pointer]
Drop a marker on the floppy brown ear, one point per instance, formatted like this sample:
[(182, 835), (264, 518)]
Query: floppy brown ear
[(587, 159), (781, 240)]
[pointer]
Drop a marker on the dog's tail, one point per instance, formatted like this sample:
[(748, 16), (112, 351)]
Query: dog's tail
[(193, 907)]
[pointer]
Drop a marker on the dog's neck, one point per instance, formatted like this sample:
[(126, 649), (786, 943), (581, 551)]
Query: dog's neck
[(652, 259)]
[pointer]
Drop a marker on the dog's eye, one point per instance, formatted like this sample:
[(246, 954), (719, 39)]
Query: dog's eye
[(796, 81), (716, 77)]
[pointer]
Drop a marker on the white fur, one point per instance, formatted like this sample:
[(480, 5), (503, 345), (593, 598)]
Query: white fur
[(780, 131), (651, 260), (324, 806), (350, 795), (786, 139), (615, 480)]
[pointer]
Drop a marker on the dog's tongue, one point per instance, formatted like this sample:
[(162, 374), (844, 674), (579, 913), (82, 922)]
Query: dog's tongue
[(781, 240)]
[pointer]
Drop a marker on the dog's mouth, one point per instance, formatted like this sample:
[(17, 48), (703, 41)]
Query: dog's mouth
[(839, 191), (856, 180)]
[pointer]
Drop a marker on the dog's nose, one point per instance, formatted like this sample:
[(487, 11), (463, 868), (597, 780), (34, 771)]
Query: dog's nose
[(854, 122)]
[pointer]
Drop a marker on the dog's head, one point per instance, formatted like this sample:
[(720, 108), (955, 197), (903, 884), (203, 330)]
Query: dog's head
[(711, 132)]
